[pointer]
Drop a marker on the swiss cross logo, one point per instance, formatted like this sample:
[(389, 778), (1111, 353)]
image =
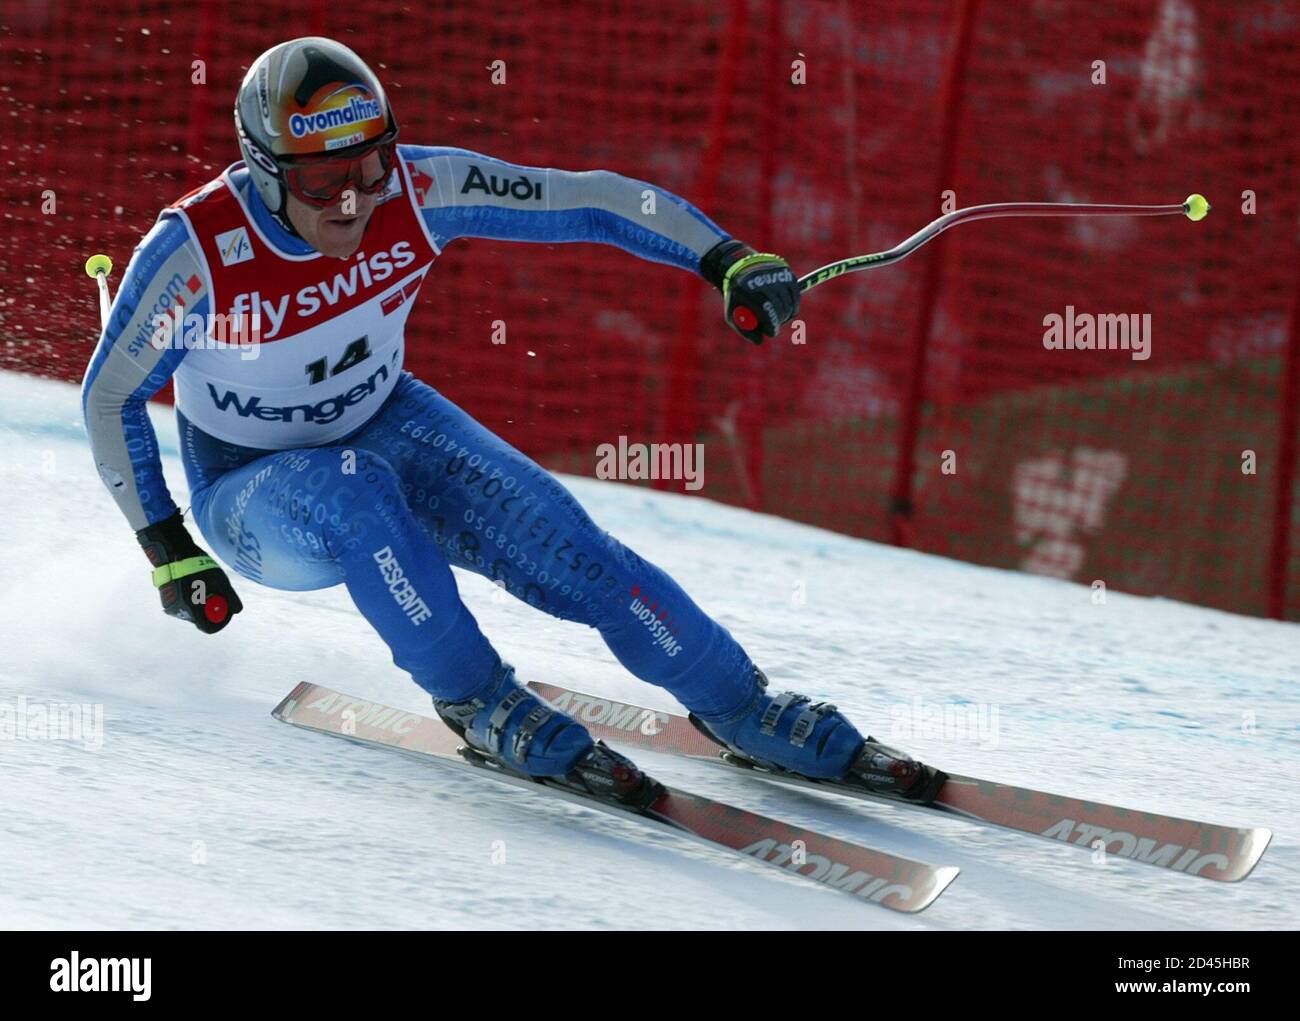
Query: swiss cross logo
[(159, 338), (234, 246), (421, 182)]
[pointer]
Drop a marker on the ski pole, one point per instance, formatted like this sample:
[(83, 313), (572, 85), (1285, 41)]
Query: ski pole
[(98, 267), (1194, 207)]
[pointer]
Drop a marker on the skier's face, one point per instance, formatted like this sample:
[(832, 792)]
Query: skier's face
[(334, 230)]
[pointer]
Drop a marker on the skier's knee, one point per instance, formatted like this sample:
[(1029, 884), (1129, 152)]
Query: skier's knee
[(374, 475), (369, 499)]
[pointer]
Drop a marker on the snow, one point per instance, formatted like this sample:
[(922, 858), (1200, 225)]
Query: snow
[(197, 810)]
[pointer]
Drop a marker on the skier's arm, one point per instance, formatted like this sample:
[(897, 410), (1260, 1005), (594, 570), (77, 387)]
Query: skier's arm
[(124, 372), (466, 194)]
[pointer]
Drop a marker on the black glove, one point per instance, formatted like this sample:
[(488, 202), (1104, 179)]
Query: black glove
[(759, 290), (190, 583)]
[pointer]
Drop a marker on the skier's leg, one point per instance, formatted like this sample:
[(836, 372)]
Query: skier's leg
[(311, 518), (496, 512)]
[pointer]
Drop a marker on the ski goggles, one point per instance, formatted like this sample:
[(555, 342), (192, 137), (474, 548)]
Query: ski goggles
[(322, 180)]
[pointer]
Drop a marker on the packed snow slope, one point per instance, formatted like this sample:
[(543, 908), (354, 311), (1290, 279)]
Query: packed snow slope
[(196, 809)]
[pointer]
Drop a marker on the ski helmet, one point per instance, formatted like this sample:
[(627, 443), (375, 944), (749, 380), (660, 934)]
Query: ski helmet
[(306, 97)]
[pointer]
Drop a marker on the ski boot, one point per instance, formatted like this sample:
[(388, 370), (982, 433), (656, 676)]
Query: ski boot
[(790, 733), (511, 729)]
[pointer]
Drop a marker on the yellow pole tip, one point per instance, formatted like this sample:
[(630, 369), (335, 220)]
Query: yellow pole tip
[(1196, 207), (97, 264)]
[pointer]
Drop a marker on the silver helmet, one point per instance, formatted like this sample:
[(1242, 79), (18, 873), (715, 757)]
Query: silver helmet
[(306, 97)]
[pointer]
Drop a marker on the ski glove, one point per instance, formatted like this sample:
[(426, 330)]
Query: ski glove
[(190, 583), (759, 290)]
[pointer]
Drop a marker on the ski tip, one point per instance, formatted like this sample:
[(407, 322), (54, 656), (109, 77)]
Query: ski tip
[(284, 711), (1254, 843), (940, 878), (943, 878)]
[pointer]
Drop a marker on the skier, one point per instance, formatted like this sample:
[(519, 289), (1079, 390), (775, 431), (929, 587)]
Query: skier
[(314, 459)]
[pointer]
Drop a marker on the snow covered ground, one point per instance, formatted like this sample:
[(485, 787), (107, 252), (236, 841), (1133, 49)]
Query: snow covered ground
[(197, 810)]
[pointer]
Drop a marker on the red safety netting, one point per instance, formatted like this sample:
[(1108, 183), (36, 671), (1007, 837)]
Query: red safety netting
[(922, 406)]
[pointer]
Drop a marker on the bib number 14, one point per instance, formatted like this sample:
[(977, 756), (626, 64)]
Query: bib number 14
[(355, 353)]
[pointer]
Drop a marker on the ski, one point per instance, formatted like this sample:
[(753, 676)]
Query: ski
[(1223, 853), (876, 877)]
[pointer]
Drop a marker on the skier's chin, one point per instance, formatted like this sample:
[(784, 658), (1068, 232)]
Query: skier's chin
[(339, 236)]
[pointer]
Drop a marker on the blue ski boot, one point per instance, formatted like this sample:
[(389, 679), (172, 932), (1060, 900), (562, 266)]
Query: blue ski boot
[(508, 727), (790, 733)]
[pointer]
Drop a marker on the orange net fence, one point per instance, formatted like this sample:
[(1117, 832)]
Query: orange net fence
[(918, 403)]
